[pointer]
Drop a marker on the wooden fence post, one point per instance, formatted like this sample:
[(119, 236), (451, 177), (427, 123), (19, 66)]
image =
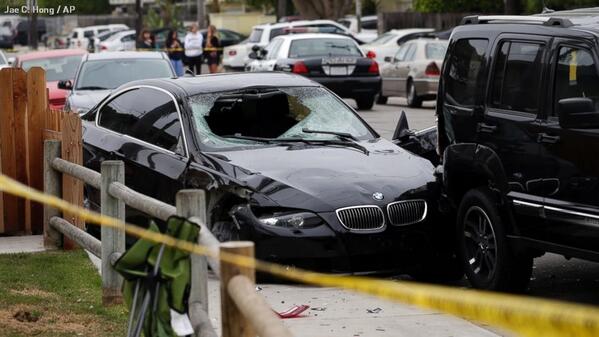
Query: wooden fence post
[(19, 91), (192, 203), (72, 150), (36, 113), (234, 323), (52, 186), (113, 240), (11, 216)]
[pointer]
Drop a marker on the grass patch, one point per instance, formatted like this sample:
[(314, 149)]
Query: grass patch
[(55, 294)]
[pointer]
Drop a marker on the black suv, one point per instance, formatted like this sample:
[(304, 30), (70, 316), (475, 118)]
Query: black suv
[(518, 125)]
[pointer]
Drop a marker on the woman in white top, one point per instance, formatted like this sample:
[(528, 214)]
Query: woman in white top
[(193, 49)]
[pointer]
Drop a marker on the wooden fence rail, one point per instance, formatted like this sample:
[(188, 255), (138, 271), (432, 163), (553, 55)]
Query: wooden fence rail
[(244, 312)]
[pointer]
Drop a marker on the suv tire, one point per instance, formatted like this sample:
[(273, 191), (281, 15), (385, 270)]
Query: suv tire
[(381, 99), (412, 96), (489, 262), (365, 102)]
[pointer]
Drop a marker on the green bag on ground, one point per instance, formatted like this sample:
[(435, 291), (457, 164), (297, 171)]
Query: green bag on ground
[(164, 290)]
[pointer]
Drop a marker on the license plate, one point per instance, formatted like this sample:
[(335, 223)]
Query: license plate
[(338, 71)]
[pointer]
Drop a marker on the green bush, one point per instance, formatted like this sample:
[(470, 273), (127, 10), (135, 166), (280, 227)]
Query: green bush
[(458, 6)]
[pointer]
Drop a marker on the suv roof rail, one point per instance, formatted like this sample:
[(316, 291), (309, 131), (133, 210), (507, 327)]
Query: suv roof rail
[(525, 19)]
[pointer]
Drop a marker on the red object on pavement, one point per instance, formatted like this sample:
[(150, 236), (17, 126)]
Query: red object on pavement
[(294, 311)]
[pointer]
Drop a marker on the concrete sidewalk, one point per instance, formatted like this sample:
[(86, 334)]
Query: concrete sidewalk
[(332, 313)]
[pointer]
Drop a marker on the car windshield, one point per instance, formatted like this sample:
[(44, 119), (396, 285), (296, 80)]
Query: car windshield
[(323, 47), (57, 68), (255, 36), (284, 113), (436, 50), (383, 39), (109, 74)]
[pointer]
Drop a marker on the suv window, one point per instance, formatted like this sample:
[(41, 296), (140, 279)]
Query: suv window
[(464, 71), (576, 75), (515, 61), (146, 114)]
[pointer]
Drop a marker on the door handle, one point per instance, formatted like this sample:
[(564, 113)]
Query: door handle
[(485, 128), (545, 138)]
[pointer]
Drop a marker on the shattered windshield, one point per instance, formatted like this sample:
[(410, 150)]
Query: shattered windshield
[(282, 113)]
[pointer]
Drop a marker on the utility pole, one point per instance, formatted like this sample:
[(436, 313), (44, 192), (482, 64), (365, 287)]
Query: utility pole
[(359, 14), (33, 24), (201, 14), (281, 9), (139, 19)]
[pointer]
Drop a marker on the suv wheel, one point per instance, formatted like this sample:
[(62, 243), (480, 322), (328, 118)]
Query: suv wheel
[(488, 261), (365, 102), (381, 99), (413, 100)]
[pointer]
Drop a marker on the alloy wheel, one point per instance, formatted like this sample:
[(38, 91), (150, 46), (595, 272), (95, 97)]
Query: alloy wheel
[(480, 243)]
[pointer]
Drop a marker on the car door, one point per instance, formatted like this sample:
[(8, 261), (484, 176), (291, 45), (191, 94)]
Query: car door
[(571, 168), (403, 69), (128, 42), (510, 123), (145, 131), (391, 77)]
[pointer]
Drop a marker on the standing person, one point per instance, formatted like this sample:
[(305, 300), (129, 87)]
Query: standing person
[(213, 49), (193, 49), (145, 41), (175, 52)]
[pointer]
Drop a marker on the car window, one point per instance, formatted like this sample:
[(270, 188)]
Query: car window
[(100, 31), (411, 52), (109, 74), (57, 68), (272, 49), (576, 75), (146, 114), (515, 61), (255, 36), (323, 47), (328, 28), (277, 32), (275, 113), (463, 77), (370, 24), (346, 23), (128, 38), (400, 56), (88, 33), (382, 39), (435, 50), (74, 35)]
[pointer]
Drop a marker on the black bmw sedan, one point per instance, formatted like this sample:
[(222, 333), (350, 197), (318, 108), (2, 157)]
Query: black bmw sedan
[(284, 161)]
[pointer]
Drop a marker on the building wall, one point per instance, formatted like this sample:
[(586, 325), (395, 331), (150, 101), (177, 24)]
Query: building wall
[(240, 22)]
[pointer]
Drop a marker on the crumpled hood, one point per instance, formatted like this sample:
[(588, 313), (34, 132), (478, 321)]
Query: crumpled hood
[(86, 99), (325, 178)]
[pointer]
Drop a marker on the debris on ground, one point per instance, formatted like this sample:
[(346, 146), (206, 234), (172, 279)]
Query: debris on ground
[(26, 316), (374, 311), (294, 311), (319, 308)]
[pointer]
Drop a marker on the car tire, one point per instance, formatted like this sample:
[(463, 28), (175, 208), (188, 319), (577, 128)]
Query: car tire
[(365, 102), (487, 258), (225, 231), (382, 99), (412, 96)]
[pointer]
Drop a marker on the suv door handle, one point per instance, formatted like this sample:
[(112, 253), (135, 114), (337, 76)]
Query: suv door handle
[(545, 138), (486, 128)]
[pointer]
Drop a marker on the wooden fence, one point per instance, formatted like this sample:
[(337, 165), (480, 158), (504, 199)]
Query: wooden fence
[(245, 313), (25, 121), (437, 21)]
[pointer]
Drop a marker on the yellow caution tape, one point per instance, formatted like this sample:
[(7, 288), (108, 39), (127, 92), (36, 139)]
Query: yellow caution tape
[(525, 316), (573, 65)]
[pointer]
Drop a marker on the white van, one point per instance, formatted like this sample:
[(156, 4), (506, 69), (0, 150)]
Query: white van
[(79, 38)]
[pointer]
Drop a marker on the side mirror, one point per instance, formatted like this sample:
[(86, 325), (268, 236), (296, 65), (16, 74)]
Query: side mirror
[(65, 85), (11, 61), (402, 130), (577, 113)]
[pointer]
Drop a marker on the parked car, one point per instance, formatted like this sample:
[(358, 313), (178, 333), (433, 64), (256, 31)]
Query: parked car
[(236, 57), (285, 163), (334, 61), (22, 31), (80, 37), (518, 133), (387, 44), (94, 44), (413, 72), (368, 26), (6, 38), (60, 65), (101, 73), (124, 40)]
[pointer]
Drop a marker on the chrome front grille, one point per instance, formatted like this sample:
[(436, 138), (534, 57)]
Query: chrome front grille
[(361, 218), (406, 212)]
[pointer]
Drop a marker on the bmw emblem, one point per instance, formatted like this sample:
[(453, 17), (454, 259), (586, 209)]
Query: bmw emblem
[(378, 196)]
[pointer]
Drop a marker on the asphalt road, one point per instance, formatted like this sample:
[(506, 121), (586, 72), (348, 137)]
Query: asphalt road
[(554, 277)]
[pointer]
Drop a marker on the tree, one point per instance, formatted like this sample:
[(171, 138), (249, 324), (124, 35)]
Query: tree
[(458, 6), (322, 9)]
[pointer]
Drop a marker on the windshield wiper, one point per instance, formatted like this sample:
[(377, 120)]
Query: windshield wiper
[(342, 135), (301, 140), (92, 88)]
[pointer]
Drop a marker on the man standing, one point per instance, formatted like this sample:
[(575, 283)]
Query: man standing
[(193, 49)]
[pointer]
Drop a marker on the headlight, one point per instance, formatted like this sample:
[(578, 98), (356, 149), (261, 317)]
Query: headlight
[(292, 220)]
